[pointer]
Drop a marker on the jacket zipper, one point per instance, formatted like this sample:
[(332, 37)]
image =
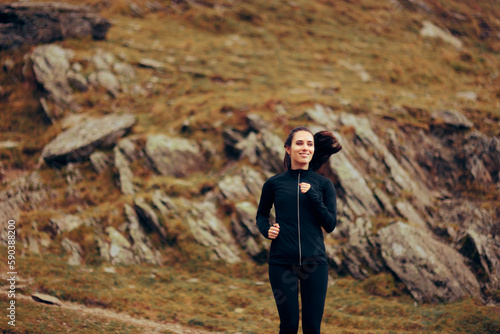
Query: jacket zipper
[(298, 219)]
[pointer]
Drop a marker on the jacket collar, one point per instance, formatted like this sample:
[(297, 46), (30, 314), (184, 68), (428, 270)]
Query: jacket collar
[(296, 172)]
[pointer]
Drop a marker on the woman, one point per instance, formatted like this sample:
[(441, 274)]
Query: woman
[(304, 202)]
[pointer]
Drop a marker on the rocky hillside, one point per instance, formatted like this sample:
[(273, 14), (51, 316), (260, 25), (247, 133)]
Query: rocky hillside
[(149, 143)]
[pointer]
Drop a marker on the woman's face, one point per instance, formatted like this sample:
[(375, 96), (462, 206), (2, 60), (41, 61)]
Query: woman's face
[(302, 149)]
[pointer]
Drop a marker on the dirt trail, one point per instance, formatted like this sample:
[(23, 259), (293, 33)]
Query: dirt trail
[(148, 325)]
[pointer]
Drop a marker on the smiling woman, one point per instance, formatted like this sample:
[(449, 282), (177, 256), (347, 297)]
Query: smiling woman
[(304, 203)]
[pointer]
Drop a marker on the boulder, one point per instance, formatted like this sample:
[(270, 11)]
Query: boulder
[(244, 185), (26, 22), (173, 156), (451, 120), (78, 142), (77, 81), (481, 157), (209, 231), (361, 253), (264, 149), (50, 65), (431, 270)]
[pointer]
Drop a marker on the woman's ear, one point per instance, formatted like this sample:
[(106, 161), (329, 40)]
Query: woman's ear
[(287, 149)]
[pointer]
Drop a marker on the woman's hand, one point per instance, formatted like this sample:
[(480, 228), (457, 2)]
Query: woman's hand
[(274, 231), (304, 187)]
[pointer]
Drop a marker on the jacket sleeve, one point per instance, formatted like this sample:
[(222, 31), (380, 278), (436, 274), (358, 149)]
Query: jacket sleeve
[(264, 209), (326, 209)]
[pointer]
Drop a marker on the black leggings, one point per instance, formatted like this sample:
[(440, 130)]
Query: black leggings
[(313, 280)]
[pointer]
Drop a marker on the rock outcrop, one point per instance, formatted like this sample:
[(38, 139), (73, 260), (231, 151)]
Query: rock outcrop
[(36, 23), (431, 270), (78, 142)]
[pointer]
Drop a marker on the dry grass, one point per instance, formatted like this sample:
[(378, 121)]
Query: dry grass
[(223, 62)]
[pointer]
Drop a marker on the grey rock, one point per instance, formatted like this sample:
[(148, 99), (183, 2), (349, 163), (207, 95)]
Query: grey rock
[(467, 96), (154, 64), (210, 232), (50, 64), (103, 61), (129, 149), (8, 64), (451, 120), (163, 203), (263, 149), (108, 81), (484, 255), (25, 192), (360, 253), (78, 142), (100, 161), (65, 223), (119, 247), (135, 10), (481, 156), (34, 22), (431, 30), (140, 242), (431, 270), (124, 71), (149, 218), (46, 299), (124, 172), (74, 250), (174, 156), (406, 210), (246, 231), (77, 81)]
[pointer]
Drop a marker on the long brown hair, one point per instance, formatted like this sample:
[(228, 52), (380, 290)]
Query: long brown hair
[(325, 145)]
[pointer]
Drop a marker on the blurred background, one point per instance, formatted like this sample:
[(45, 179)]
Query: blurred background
[(136, 136)]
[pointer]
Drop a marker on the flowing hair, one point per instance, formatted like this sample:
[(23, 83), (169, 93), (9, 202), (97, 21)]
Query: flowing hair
[(325, 145)]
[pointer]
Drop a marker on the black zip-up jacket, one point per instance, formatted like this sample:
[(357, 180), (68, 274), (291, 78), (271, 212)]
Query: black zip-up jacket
[(299, 215)]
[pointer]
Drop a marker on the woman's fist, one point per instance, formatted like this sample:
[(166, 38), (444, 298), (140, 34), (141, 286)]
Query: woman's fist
[(274, 231), (304, 187)]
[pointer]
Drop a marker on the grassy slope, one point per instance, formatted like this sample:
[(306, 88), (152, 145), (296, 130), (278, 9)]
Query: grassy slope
[(251, 58)]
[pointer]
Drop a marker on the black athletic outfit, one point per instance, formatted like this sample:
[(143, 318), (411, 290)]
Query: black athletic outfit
[(298, 253)]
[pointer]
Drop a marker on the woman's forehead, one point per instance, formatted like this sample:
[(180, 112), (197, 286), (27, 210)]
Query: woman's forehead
[(303, 135)]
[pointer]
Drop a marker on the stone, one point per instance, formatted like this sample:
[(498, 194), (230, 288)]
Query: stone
[(406, 210), (140, 242), (154, 64), (74, 250), (100, 161), (46, 299), (24, 192), (173, 156), (65, 223), (119, 247), (124, 172), (148, 217), (77, 81), (35, 23), (209, 231), (124, 71), (431, 270), (358, 68), (263, 149), (467, 96), (360, 253), (246, 232), (431, 30), (50, 64), (108, 81), (129, 149), (451, 120), (77, 143)]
